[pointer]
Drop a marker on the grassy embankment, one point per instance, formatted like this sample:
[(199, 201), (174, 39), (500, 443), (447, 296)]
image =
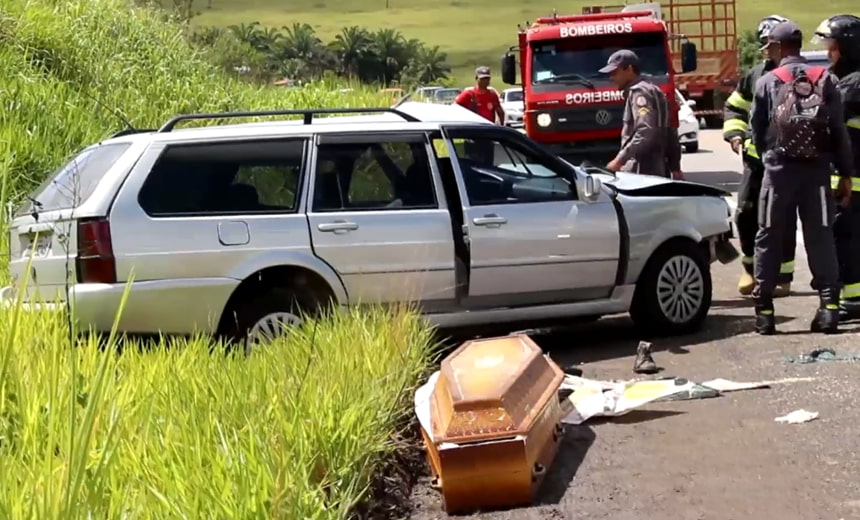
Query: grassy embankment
[(471, 32), (294, 431)]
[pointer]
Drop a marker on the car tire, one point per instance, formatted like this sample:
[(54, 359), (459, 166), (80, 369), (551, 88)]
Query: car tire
[(692, 147), (673, 294), (260, 315)]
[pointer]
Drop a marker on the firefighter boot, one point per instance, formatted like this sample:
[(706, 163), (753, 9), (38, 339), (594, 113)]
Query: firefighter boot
[(746, 284), (849, 309), (765, 321), (782, 290), (826, 318)]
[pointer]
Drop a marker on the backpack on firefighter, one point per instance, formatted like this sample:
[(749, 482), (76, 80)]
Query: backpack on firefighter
[(800, 125)]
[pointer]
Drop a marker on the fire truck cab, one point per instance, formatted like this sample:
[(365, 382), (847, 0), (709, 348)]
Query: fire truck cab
[(571, 107)]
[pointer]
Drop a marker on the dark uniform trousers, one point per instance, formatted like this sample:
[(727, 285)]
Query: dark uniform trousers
[(846, 228), (789, 189), (801, 185), (747, 218), (736, 125), (846, 233)]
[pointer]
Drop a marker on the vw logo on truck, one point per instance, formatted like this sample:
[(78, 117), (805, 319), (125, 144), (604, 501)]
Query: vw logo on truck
[(603, 117)]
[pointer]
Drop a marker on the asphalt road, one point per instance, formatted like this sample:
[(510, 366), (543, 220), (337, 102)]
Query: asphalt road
[(723, 458)]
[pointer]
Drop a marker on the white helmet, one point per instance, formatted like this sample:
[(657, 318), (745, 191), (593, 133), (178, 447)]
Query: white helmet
[(767, 24)]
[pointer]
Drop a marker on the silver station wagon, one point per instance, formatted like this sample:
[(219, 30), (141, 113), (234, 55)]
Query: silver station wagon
[(238, 229)]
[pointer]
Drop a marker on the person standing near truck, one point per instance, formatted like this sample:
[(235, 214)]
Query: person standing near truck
[(481, 99), (737, 133), (841, 35), (798, 127), (649, 144)]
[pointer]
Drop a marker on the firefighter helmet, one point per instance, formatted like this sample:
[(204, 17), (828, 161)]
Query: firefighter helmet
[(767, 24)]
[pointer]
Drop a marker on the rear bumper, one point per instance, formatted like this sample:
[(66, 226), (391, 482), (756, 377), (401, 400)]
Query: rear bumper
[(689, 137), (182, 306)]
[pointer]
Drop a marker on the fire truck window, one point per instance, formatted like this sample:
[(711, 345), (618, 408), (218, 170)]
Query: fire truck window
[(558, 64), (500, 172)]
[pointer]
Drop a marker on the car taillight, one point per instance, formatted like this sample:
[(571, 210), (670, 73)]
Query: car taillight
[(95, 262)]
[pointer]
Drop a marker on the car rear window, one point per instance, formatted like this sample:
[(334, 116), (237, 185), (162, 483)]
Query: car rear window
[(72, 184)]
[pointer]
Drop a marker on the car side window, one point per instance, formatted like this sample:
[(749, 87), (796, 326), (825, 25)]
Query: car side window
[(225, 178), (500, 171), (376, 173)]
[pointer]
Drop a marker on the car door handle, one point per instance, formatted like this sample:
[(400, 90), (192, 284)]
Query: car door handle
[(489, 220), (339, 226)]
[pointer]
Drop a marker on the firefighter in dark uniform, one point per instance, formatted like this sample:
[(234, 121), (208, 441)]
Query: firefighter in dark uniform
[(797, 148), (841, 35), (649, 143), (736, 133)]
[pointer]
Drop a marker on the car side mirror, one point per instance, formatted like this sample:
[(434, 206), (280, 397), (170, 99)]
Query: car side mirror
[(509, 69), (688, 57), (593, 187), (691, 103)]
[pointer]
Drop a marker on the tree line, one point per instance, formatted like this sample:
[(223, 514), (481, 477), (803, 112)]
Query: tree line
[(296, 52)]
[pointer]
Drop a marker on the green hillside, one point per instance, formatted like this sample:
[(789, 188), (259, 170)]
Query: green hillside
[(472, 33)]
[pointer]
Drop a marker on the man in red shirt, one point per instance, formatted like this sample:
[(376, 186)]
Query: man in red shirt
[(481, 99)]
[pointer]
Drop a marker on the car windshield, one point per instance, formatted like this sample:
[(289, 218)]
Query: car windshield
[(558, 64), (447, 94), (513, 95)]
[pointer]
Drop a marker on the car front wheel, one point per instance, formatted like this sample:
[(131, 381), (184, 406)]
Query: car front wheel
[(692, 147), (673, 294)]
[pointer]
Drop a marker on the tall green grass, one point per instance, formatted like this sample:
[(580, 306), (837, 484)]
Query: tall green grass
[(296, 430)]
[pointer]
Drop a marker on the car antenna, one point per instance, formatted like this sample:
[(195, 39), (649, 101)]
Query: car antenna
[(402, 100), (116, 112)]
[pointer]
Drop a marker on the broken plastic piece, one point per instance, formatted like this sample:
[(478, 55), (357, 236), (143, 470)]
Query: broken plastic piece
[(797, 417)]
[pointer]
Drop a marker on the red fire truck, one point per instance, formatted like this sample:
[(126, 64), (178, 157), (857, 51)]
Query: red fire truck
[(712, 26), (569, 105)]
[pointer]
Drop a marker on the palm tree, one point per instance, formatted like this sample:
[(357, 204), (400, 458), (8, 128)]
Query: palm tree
[(352, 46), (248, 33), (391, 50), (300, 41), (429, 65)]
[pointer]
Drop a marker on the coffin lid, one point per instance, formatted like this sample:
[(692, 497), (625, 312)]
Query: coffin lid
[(492, 388)]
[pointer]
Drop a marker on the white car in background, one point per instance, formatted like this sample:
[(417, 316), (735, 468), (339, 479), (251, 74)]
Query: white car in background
[(688, 125), (816, 57), (513, 105), (446, 96)]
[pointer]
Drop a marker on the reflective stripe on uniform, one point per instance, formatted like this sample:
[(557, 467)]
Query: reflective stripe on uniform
[(735, 125), (852, 290), (749, 149), (784, 268), (737, 101), (854, 122), (855, 182)]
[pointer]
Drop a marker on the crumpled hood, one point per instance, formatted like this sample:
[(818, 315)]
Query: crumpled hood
[(651, 185)]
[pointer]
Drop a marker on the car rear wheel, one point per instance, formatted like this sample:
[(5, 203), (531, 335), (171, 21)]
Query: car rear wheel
[(260, 318), (692, 147), (673, 295)]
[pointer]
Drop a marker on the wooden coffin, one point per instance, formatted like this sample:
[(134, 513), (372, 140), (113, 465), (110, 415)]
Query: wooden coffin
[(495, 417)]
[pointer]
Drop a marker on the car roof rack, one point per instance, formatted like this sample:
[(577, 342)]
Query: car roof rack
[(307, 114)]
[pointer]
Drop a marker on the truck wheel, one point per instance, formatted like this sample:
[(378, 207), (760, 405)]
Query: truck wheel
[(692, 147), (673, 294)]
